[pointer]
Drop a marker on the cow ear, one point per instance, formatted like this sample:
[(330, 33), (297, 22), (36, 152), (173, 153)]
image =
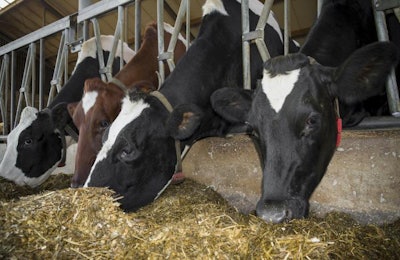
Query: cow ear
[(232, 104), (71, 108), (184, 120), (60, 116), (28, 113), (363, 74)]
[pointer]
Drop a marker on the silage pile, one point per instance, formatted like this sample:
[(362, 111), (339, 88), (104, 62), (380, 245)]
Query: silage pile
[(188, 221)]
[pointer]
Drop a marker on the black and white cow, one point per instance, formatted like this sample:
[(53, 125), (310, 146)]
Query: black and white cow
[(34, 147), (292, 113), (293, 116), (138, 158), (342, 27)]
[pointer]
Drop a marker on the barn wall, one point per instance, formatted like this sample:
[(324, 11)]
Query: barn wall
[(362, 179)]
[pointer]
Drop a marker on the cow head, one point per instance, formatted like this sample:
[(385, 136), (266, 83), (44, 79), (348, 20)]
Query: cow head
[(138, 158), (98, 108), (37, 131), (293, 117)]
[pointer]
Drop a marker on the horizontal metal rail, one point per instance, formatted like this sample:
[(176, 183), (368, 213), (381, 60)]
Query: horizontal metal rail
[(100, 8), (43, 32)]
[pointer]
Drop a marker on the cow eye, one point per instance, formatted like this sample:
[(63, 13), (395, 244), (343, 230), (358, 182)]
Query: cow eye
[(311, 124), (311, 121), (28, 142), (104, 123), (128, 155)]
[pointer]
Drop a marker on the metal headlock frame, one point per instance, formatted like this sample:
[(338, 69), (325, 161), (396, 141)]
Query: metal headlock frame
[(91, 11), (381, 29), (258, 36), (168, 55)]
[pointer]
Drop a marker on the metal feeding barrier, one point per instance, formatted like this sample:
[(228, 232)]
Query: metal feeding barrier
[(74, 29)]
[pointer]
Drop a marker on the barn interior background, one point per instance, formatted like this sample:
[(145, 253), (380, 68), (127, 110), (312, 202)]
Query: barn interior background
[(362, 179)]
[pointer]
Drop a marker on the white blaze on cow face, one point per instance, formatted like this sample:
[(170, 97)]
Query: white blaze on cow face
[(130, 110), (214, 6), (277, 88), (8, 167), (88, 100)]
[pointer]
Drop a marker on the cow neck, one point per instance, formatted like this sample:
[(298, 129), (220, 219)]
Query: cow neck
[(167, 105), (119, 84)]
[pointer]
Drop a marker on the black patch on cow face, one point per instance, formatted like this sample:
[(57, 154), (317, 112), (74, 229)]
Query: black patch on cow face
[(141, 161), (39, 148)]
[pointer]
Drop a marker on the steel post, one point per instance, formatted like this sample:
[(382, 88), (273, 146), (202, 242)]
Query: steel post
[(138, 19), (160, 30), (391, 84)]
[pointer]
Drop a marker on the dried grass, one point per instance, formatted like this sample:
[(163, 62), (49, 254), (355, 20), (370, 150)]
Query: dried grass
[(188, 221)]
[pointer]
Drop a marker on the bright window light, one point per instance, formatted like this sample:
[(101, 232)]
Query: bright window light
[(4, 3)]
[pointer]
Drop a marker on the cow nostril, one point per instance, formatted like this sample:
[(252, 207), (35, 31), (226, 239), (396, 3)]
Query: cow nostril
[(76, 184)]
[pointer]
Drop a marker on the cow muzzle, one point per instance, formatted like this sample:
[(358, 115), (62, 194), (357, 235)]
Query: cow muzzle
[(277, 211)]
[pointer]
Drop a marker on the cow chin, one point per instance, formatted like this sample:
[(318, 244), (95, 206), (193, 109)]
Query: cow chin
[(134, 188), (277, 211)]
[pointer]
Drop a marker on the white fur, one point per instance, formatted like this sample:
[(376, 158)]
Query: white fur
[(168, 28), (89, 49), (8, 169), (279, 87), (88, 100), (214, 6), (129, 112)]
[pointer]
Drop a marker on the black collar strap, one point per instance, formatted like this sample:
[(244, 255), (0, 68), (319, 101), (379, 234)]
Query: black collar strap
[(167, 105)]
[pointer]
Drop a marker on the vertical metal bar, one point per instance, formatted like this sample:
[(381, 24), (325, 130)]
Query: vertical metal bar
[(287, 28), (160, 30), (33, 73), (85, 25), (174, 37), (391, 84), (3, 86), (246, 45), (188, 25), (7, 94), (319, 6), (58, 68), (99, 48), (85, 30), (13, 83), (116, 40), (121, 22), (41, 72), (138, 18), (65, 49), (25, 79)]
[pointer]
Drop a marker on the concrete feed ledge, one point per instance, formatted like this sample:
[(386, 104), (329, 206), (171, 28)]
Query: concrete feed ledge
[(363, 178)]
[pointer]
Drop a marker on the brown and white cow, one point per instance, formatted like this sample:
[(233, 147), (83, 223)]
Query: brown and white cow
[(101, 102)]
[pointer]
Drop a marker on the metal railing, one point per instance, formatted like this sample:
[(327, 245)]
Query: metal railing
[(70, 37)]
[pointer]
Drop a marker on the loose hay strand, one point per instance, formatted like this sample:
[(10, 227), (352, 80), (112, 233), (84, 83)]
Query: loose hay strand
[(188, 221)]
